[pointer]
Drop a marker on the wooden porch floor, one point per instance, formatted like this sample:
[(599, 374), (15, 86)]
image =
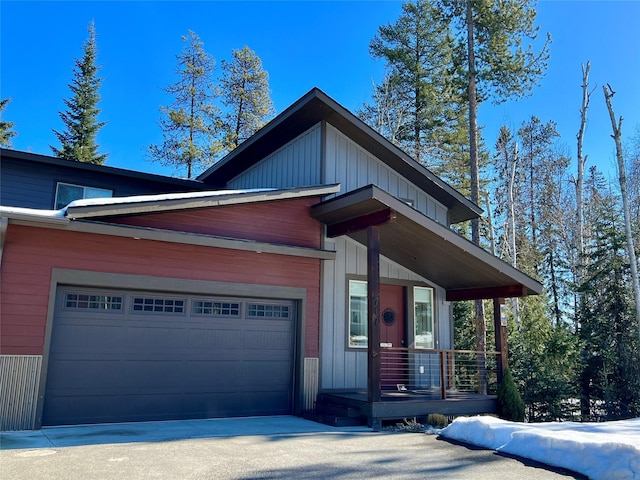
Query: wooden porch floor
[(396, 405)]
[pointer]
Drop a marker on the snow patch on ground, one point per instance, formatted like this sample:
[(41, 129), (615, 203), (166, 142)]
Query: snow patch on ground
[(607, 451)]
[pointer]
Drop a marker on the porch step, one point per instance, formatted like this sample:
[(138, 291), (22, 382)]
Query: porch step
[(334, 420), (335, 414)]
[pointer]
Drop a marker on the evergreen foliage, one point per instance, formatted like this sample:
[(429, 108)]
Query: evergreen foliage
[(610, 380), (78, 141), (510, 405), (191, 124), (6, 128), (245, 93), (418, 105)]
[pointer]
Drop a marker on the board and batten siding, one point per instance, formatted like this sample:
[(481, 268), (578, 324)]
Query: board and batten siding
[(342, 367), (352, 166), (297, 164)]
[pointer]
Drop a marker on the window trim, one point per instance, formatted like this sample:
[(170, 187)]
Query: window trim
[(84, 192), (349, 343), (433, 317)]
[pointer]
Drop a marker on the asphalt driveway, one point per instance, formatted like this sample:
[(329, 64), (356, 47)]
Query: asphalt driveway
[(249, 448)]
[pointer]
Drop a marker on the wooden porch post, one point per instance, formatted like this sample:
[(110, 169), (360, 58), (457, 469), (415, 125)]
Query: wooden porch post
[(373, 314), (500, 327)]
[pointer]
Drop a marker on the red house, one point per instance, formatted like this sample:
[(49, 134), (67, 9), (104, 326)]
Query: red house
[(256, 294)]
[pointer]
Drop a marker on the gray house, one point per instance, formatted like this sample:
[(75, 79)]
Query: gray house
[(311, 272)]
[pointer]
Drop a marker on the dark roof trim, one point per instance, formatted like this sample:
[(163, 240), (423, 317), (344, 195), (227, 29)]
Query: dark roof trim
[(315, 107), (162, 203), (426, 247), (63, 162)]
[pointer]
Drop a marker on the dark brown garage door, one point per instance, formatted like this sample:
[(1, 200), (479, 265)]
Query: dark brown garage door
[(120, 356)]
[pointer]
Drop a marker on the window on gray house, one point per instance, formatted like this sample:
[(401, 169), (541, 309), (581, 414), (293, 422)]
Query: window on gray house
[(68, 192)]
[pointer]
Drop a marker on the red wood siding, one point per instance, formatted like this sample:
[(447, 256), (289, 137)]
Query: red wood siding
[(285, 222), (31, 253)]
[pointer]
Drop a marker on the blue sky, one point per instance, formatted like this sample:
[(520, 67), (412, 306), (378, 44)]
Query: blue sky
[(302, 44)]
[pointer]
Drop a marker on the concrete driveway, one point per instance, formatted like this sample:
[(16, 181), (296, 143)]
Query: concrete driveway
[(248, 448)]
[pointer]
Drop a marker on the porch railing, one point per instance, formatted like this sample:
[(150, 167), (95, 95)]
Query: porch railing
[(438, 371)]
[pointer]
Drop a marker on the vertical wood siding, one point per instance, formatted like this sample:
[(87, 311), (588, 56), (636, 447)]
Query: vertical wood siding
[(296, 164), (350, 165), (19, 380), (341, 367)]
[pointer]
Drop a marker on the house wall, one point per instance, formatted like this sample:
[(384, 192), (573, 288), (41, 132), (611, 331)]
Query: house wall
[(31, 184), (335, 158), (350, 165), (31, 254), (296, 164), (342, 367), (285, 222)]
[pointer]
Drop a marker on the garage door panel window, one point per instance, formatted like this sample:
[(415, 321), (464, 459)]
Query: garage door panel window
[(81, 301), (158, 305), (260, 310), (216, 308)]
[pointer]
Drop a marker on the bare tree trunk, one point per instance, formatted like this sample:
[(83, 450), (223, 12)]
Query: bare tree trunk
[(586, 95), (513, 164), (480, 320), (622, 176), (492, 232)]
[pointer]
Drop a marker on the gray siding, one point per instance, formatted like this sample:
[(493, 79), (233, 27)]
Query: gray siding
[(353, 167), (347, 368), (30, 184), (297, 164)]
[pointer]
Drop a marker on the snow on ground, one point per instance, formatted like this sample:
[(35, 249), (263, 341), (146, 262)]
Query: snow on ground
[(607, 451)]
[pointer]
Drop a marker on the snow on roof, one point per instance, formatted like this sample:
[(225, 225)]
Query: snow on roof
[(602, 451), (31, 212), (86, 202)]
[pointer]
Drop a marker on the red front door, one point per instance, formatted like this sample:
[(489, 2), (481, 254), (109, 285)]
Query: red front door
[(392, 335)]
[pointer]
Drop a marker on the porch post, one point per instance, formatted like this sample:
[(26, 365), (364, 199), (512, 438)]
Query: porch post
[(500, 327), (373, 314)]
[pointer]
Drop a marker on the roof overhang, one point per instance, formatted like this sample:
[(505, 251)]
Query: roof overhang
[(424, 246), (315, 107), (103, 207)]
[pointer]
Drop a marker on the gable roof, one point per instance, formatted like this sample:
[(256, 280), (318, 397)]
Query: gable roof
[(314, 107)]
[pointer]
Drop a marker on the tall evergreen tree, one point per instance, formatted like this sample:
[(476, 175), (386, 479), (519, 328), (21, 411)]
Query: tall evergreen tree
[(496, 65), (245, 92), (191, 124), (78, 141), (418, 104), (610, 380), (6, 127)]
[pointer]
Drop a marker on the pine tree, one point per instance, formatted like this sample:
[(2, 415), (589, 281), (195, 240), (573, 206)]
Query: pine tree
[(78, 141), (6, 128), (191, 125), (418, 105), (610, 379), (245, 92)]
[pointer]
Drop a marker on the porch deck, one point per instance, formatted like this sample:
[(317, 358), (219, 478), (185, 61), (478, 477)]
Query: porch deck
[(396, 405)]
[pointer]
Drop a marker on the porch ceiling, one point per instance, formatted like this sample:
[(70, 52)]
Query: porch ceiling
[(424, 246)]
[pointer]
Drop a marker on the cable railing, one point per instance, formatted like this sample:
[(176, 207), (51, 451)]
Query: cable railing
[(442, 372)]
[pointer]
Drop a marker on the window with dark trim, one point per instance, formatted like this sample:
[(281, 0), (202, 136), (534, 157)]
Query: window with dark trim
[(83, 301), (357, 314), (68, 192), (265, 310), (423, 317), (216, 308), (158, 305)]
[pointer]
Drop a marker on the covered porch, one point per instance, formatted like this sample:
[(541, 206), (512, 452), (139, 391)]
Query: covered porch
[(459, 382)]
